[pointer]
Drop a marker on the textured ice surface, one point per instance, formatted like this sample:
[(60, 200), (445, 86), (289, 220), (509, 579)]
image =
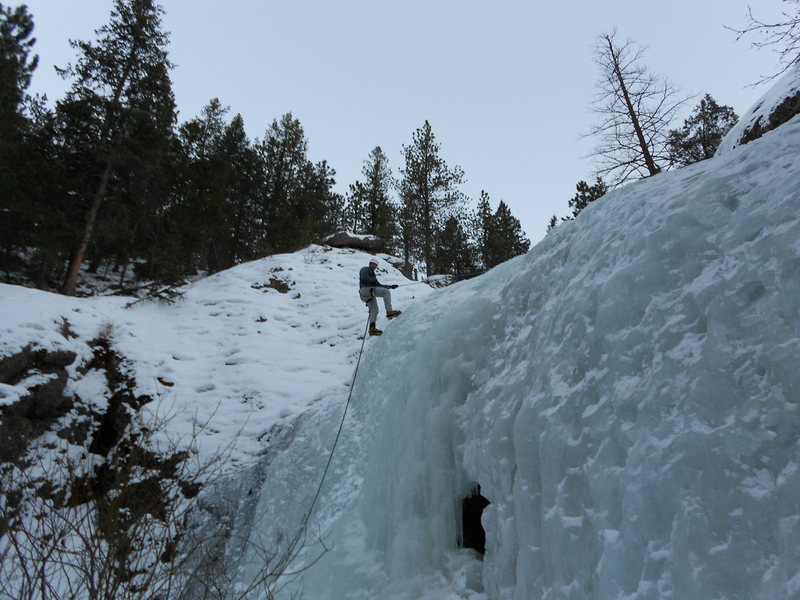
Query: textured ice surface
[(627, 395)]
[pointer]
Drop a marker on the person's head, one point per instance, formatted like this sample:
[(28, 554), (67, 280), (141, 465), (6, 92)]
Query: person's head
[(372, 264)]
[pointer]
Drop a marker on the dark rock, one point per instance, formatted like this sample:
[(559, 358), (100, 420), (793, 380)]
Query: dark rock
[(343, 239), (45, 403), (13, 367), (15, 433), (279, 284), (76, 431), (114, 422), (276, 284), (145, 497), (112, 427), (406, 269), (58, 359), (782, 113), (16, 367), (190, 489)]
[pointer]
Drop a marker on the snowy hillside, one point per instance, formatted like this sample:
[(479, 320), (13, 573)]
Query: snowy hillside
[(246, 350), (626, 395), (775, 107)]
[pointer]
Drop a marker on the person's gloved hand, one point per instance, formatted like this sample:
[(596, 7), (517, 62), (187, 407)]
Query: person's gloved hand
[(394, 287)]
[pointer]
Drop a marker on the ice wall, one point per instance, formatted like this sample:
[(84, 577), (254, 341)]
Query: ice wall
[(627, 395)]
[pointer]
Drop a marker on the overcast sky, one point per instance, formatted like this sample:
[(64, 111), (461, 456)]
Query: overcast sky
[(505, 84)]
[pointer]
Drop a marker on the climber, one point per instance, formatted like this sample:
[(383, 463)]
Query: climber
[(370, 289)]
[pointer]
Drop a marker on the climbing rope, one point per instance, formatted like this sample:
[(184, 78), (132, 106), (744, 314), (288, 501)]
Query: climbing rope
[(304, 525), (307, 516), (290, 551)]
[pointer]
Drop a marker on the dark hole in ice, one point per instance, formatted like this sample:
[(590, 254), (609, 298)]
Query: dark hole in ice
[(472, 533)]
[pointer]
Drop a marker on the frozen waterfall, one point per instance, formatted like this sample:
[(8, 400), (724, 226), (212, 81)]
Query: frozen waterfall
[(627, 395)]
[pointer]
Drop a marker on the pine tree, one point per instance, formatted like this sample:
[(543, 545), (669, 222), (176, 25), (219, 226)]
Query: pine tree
[(321, 211), (500, 236), (701, 133), (298, 204), (484, 226), (455, 252), (243, 180), (283, 153), (120, 103), (204, 187), (509, 239), (212, 221), (356, 219), (429, 194), (16, 66), (16, 154), (585, 194), (370, 209)]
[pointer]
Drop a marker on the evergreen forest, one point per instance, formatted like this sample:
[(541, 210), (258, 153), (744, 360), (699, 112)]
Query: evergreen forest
[(107, 180)]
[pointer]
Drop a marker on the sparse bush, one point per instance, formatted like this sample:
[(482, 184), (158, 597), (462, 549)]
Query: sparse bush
[(75, 525)]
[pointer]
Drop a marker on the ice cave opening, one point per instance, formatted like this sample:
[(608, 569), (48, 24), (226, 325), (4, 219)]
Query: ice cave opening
[(472, 532)]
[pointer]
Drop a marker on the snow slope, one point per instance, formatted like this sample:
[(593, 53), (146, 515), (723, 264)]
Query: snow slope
[(627, 395), (786, 86), (233, 359)]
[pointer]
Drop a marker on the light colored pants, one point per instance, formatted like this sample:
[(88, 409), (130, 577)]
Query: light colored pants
[(371, 295)]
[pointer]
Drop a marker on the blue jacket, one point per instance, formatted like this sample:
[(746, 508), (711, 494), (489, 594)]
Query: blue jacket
[(367, 278)]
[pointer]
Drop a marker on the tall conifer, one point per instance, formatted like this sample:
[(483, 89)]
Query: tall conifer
[(370, 208), (429, 193), (17, 65), (500, 235), (120, 109)]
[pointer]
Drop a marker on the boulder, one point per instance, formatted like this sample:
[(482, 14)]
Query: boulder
[(347, 239)]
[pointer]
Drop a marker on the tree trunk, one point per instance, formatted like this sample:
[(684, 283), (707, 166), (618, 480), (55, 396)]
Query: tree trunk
[(68, 289), (123, 273), (652, 168)]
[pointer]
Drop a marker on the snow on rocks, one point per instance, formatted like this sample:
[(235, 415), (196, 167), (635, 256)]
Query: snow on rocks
[(246, 350), (759, 117)]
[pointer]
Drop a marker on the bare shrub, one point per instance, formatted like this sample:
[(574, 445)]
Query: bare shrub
[(78, 526)]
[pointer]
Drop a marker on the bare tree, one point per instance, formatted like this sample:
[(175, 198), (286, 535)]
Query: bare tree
[(635, 109), (783, 36)]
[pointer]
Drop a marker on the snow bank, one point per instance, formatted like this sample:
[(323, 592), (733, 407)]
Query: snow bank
[(627, 396), (759, 113), (247, 350)]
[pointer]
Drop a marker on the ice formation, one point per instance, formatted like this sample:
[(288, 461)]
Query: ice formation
[(627, 395)]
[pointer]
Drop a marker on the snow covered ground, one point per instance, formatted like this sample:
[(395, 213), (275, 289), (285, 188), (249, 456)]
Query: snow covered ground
[(626, 394), (247, 350)]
